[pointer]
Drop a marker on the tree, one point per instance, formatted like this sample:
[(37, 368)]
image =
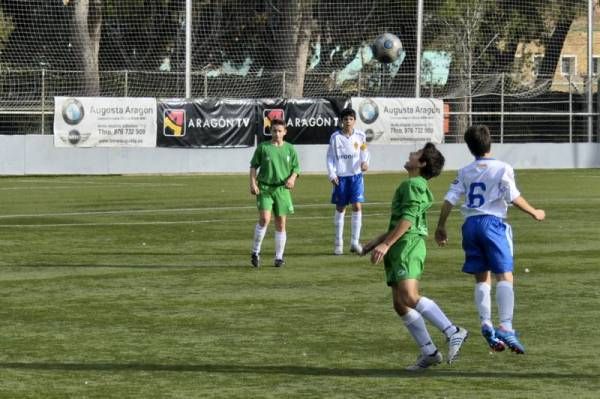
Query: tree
[(296, 23), (87, 23)]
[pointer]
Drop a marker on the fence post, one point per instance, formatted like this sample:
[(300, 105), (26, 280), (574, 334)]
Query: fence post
[(126, 83), (502, 108), (205, 85), (43, 100), (570, 110), (597, 112)]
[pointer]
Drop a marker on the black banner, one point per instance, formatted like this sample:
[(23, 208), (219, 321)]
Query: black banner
[(206, 123), (308, 120)]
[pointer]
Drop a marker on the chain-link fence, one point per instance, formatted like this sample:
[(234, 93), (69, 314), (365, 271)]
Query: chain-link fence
[(554, 115)]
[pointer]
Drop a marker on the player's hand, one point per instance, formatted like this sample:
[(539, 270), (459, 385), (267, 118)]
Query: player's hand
[(539, 214), (441, 237), (335, 181), (290, 183), (364, 166), (254, 190), (378, 253)]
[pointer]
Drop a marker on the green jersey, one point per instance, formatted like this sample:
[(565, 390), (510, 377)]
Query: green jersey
[(275, 164), (411, 202)]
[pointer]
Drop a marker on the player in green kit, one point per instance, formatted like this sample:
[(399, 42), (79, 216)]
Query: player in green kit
[(273, 171), (402, 248)]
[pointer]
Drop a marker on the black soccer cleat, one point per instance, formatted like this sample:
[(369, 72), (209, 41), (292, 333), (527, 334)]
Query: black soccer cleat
[(255, 259), (279, 262)]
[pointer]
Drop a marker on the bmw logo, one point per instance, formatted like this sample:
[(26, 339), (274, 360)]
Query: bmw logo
[(368, 111), (72, 111)]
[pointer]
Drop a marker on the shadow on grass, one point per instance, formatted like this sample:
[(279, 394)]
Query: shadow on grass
[(289, 370)]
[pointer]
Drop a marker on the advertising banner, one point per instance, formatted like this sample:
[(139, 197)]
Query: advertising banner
[(207, 123), (400, 120), (104, 122), (308, 120)]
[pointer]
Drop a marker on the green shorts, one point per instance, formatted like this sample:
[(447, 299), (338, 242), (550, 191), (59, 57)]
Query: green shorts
[(405, 259), (277, 199)]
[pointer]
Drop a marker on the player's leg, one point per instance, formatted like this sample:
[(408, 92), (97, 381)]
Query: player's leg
[(282, 207), (356, 226), (483, 303), (338, 198), (264, 217), (407, 291), (280, 240), (499, 251), (416, 252), (476, 263), (357, 196), (338, 225), (505, 298)]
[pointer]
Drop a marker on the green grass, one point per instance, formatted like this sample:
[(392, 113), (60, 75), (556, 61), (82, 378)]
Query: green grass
[(140, 287)]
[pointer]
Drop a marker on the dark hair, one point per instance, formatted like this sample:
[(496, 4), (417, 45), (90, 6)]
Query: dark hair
[(434, 161), (478, 140), (347, 112), (276, 122)]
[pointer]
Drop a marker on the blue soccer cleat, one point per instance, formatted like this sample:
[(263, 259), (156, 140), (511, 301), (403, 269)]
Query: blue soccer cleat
[(511, 339), (494, 343)]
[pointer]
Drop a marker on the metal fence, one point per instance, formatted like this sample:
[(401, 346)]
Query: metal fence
[(557, 112)]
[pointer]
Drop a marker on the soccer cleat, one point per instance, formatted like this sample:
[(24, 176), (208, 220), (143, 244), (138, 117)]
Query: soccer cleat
[(425, 361), (338, 249), (356, 249), (455, 342), (255, 259), (279, 262), (490, 336), (511, 339)]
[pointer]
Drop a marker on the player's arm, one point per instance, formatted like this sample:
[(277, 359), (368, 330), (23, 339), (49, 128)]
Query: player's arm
[(364, 157), (332, 162), (441, 236), (291, 180), (389, 239), (253, 183), (522, 204)]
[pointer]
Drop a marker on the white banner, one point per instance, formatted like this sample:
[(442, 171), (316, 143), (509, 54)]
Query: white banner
[(400, 120), (104, 122)]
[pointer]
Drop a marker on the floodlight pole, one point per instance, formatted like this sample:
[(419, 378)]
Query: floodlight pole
[(590, 69), (188, 48), (418, 57)]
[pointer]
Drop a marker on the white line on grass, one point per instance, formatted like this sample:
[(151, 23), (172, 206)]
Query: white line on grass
[(169, 210), (97, 185), (95, 224)]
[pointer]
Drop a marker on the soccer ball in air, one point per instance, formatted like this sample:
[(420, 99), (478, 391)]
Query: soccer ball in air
[(387, 48)]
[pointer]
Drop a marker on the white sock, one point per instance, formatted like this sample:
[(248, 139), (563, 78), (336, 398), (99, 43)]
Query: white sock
[(280, 238), (505, 298), (356, 226), (416, 327), (483, 302), (259, 235), (338, 222), (433, 314)]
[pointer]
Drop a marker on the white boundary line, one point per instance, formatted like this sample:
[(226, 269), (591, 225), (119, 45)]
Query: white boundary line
[(96, 224), (170, 210)]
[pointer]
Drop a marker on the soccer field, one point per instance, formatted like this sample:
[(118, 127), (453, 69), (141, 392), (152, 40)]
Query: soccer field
[(141, 287)]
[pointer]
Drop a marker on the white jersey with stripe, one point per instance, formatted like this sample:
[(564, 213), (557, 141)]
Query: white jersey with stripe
[(345, 154), (488, 186)]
